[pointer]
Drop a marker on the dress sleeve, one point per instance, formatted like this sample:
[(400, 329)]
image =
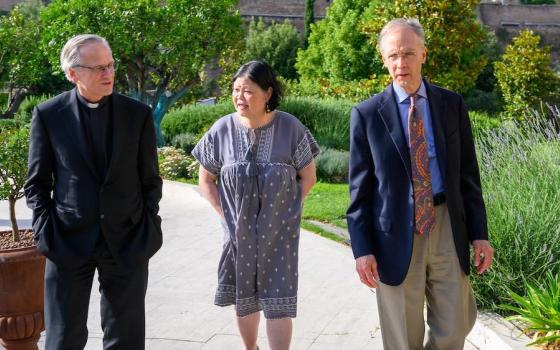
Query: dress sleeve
[(307, 149), (205, 154)]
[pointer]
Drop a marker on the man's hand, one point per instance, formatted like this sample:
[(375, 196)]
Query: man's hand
[(483, 255), (366, 266)]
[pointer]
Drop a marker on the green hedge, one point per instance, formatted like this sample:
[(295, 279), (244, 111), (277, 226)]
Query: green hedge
[(328, 119), (193, 119)]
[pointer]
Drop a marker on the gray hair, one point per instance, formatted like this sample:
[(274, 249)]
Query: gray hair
[(70, 54), (410, 23)]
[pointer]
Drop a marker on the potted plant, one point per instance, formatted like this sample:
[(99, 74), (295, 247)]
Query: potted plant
[(22, 266)]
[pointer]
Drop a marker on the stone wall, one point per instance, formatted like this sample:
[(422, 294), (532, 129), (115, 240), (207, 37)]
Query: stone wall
[(6, 5), (280, 10), (508, 20)]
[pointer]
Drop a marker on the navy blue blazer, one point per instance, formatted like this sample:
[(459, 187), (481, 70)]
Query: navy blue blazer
[(380, 216), (72, 205)]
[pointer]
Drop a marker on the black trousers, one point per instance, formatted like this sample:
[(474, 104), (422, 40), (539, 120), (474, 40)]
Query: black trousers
[(67, 293)]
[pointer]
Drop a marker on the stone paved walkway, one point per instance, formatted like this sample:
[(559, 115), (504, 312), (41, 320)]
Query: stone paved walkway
[(334, 310)]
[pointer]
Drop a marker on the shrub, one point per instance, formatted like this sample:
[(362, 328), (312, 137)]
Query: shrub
[(355, 91), (328, 119), (520, 172), (185, 141), (193, 119), (276, 44), (26, 108), (332, 165), (9, 124), (483, 101), (525, 76), (176, 164), (539, 311), (14, 146)]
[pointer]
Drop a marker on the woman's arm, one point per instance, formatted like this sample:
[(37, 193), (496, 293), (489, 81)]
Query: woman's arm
[(209, 189), (307, 178)]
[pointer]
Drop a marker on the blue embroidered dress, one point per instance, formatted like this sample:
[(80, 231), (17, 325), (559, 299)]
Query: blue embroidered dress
[(261, 200)]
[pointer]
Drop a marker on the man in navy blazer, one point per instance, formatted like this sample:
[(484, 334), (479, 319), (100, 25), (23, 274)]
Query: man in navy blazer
[(405, 267), (94, 187)]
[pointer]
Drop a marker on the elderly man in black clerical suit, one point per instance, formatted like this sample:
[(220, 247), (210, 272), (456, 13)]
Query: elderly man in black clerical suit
[(94, 187)]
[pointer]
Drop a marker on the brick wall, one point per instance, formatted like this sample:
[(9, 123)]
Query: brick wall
[(281, 7), (509, 20), (279, 10)]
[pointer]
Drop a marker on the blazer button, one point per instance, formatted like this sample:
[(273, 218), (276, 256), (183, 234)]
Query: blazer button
[(102, 216)]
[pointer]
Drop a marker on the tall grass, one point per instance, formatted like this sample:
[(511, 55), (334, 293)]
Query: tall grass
[(520, 173)]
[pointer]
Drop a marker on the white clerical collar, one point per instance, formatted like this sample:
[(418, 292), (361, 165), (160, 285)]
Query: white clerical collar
[(89, 104)]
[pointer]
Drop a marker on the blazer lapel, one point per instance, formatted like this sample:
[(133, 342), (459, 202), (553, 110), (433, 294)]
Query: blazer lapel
[(437, 109), (76, 132), (390, 115)]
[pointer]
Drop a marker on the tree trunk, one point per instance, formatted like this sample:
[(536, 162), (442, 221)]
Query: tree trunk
[(14, 101), (15, 229), (161, 107)]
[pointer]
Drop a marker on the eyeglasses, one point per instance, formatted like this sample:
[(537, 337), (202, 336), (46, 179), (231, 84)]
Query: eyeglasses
[(99, 69), (405, 55)]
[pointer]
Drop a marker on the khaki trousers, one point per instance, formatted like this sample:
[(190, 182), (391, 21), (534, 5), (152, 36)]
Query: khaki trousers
[(434, 274)]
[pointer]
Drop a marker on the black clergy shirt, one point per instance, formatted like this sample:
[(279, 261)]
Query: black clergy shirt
[(96, 123)]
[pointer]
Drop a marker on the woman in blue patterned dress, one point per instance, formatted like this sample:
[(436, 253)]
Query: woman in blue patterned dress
[(256, 167)]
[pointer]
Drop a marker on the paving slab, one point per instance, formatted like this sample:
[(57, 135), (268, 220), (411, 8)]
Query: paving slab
[(335, 311)]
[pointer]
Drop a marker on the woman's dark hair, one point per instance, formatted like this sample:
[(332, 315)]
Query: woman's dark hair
[(263, 75)]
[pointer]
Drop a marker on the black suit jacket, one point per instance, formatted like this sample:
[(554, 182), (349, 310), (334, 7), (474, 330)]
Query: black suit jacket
[(72, 205), (380, 216)]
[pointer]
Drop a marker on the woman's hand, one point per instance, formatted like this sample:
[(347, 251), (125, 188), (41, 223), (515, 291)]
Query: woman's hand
[(307, 178), (209, 189)]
